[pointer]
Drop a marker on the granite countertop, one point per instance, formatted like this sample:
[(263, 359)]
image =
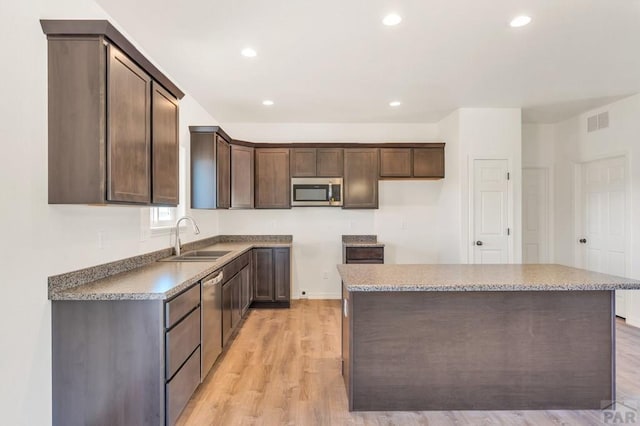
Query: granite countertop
[(477, 278), (361, 241), (159, 280), (363, 244)]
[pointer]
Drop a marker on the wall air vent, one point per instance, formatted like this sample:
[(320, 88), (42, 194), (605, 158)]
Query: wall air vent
[(603, 120), (598, 121)]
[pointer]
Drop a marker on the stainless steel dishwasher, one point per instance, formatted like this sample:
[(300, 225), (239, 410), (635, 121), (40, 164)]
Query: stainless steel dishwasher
[(211, 325)]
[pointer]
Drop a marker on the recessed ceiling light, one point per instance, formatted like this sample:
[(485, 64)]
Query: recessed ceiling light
[(395, 103), (391, 20), (249, 52), (267, 102), (520, 21)]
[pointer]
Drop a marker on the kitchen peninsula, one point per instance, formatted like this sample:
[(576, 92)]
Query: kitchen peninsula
[(478, 337)]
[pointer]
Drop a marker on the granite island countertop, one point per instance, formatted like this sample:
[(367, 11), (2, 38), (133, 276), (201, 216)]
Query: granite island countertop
[(159, 280), (478, 278)]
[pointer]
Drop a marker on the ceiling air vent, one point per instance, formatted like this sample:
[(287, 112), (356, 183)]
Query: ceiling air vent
[(598, 121)]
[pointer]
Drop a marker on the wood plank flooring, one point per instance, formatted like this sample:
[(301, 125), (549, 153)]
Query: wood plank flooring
[(283, 368)]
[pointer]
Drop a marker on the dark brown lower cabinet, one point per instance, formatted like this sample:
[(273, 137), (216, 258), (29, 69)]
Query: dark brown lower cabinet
[(227, 307), (263, 275), (236, 302), (236, 295), (124, 362), (246, 295), (364, 255), (272, 277), (231, 306)]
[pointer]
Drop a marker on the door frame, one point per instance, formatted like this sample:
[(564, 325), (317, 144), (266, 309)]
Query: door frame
[(578, 205), (510, 207), (550, 209)]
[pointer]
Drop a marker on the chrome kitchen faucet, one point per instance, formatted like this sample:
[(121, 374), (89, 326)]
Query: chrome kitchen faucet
[(196, 231)]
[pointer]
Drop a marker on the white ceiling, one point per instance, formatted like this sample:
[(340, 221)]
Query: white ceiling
[(333, 60)]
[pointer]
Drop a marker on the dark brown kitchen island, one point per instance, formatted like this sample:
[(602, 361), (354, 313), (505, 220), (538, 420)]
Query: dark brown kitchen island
[(478, 337)]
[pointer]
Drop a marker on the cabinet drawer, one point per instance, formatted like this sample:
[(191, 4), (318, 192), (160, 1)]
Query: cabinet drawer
[(181, 305), (236, 265), (365, 253), (181, 341), (181, 387)]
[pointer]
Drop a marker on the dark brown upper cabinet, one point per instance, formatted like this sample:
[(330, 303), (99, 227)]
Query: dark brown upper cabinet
[(272, 179), (108, 119), (330, 162), (303, 162), (223, 173), (210, 168), (165, 147), (316, 162), (242, 166), (428, 162), (412, 163), (395, 162), (129, 130), (361, 178)]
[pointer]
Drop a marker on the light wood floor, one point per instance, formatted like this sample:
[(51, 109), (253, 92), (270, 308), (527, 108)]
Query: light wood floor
[(284, 369)]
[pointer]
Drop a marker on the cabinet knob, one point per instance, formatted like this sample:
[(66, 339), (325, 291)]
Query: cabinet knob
[(478, 243)]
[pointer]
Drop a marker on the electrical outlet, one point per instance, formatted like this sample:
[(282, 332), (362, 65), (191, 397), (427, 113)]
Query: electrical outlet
[(101, 239), (325, 275)]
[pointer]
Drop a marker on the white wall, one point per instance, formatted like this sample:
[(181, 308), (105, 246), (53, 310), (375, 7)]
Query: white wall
[(333, 132), (538, 145), (573, 146), (38, 239)]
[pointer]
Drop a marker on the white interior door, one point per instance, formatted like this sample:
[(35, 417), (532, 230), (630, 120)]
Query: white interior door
[(535, 215), (490, 211), (604, 221)]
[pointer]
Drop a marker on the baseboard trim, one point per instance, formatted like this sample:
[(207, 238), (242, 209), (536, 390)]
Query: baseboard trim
[(320, 296), (633, 322)]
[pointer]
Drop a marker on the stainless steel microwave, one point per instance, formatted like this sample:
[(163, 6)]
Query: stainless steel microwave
[(316, 192)]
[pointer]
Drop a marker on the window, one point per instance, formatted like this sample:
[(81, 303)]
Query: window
[(164, 218)]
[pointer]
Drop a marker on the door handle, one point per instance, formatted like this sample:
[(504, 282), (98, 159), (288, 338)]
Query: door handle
[(217, 280), (478, 243), (582, 241)]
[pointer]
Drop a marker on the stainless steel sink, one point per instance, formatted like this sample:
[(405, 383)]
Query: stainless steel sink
[(197, 256)]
